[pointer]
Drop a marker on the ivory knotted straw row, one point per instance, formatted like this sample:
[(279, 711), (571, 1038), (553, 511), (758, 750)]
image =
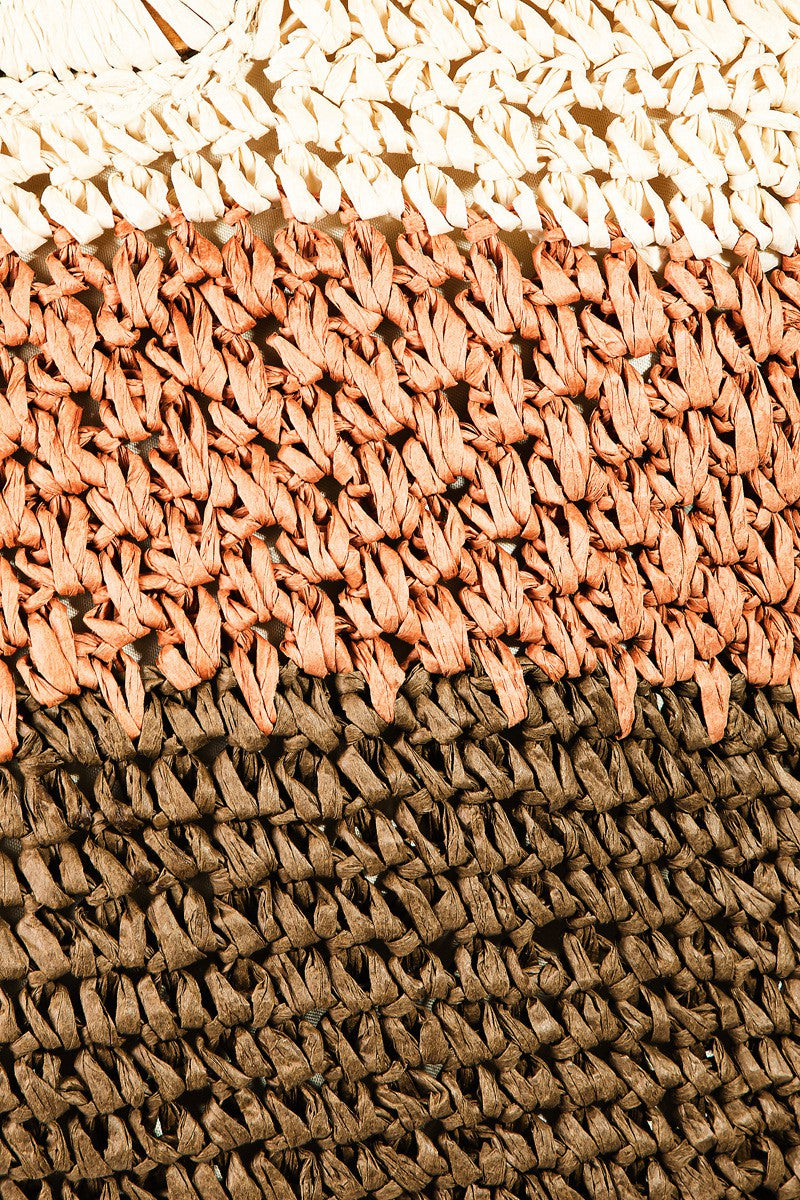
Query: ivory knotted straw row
[(316, 436), (660, 117)]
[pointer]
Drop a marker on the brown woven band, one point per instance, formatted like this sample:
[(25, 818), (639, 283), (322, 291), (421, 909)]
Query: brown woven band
[(440, 957), (411, 454)]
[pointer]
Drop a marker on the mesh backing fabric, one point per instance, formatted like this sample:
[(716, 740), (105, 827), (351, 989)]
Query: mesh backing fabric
[(439, 956)]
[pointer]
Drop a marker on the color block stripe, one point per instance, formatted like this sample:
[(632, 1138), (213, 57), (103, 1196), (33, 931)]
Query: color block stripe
[(354, 456), (663, 118), (435, 956)]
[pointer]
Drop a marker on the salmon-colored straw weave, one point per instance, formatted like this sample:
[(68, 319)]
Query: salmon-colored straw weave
[(452, 453)]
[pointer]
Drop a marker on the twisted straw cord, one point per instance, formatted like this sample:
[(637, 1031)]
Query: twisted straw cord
[(498, 480), (641, 113)]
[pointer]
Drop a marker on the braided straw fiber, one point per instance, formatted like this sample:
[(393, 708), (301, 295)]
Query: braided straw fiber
[(641, 112), (449, 848), (399, 630), (437, 957), (195, 448)]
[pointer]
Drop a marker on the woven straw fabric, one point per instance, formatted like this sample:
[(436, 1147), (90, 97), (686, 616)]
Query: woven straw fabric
[(399, 600), (436, 956), (658, 116)]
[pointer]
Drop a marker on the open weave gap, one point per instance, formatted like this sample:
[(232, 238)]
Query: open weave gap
[(437, 957), (398, 456), (646, 113)]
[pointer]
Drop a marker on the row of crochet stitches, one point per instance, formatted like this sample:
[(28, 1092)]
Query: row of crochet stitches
[(421, 458), (642, 112), (431, 958)]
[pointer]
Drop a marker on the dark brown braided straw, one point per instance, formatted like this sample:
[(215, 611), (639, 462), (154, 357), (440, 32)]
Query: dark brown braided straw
[(440, 957)]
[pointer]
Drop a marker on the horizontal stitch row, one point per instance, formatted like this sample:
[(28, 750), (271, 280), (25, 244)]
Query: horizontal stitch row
[(496, 476), (645, 114), (430, 954)]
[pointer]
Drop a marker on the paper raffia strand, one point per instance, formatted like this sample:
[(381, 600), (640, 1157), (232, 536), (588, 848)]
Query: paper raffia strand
[(662, 118), (304, 451), (399, 618)]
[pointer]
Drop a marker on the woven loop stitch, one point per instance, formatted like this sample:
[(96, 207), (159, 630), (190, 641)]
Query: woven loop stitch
[(420, 455), (399, 633), (639, 113), (439, 956)]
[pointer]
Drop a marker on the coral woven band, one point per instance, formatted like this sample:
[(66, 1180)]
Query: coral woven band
[(318, 437)]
